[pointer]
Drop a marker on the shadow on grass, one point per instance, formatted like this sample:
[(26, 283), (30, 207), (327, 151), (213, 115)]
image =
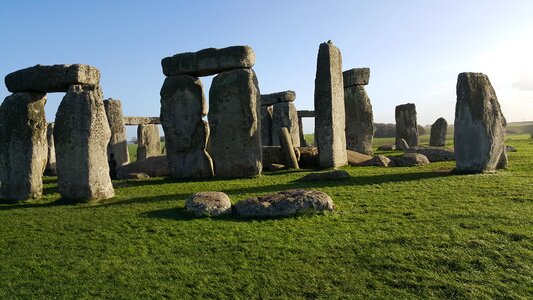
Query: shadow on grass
[(10, 204)]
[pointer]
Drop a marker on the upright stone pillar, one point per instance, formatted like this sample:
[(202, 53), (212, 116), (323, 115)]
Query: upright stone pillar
[(303, 142), (50, 169), (330, 134), (186, 134), (117, 149), (358, 111), (23, 145), (284, 114), (406, 127), (234, 120), (479, 130), (148, 141), (81, 136), (439, 129), (266, 125)]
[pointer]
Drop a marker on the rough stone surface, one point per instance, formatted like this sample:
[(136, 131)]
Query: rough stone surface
[(378, 161), (50, 169), (402, 145), (284, 114), (327, 175), (356, 158), (209, 61), (117, 149), (270, 99), (48, 79), (139, 176), (439, 129), (387, 147), (308, 157), (81, 136), (408, 160), (155, 166), (208, 204), (330, 134), (284, 203), (303, 142), (182, 108), (406, 127), (274, 167), (148, 141), (510, 148), (23, 146), (479, 130), (266, 125), (234, 120), (356, 76), (288, 149), (141, 120), (359, 119), (434, 154)]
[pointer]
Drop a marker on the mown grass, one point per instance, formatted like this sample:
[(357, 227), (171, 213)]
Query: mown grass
[(400, 233)]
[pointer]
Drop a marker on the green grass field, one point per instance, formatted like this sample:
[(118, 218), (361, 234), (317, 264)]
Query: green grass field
[(401, 233)]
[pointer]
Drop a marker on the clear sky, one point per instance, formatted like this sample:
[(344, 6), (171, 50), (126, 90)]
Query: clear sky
[(415, 49)]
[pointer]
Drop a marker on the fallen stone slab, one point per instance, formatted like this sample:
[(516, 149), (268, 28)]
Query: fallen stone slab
[(327, 175), (284, 203), (285, 96), (356, 158), (49, 79), (387, 147), (434, 154), (208, 204), (356, 76), (274, 167), (209, 61), (154, 166), (377, 161), (138, 176), (408, 160)]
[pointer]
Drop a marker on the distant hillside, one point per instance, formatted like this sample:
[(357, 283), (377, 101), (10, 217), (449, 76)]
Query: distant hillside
[(520, 127)]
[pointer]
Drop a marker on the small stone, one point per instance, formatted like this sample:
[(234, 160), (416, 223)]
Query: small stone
[(139, 176), (49, 79), (387, 147), (154, 166), (284, 204), (208, 204), (510, 148), (275, 167), (409, 160), (402, 145), (209, 61), (270, 99), (356, 76), (434, 154), (356, 158), (328, 175), (378, 161)]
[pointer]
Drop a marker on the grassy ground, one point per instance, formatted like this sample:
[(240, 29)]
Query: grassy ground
[(398, 233)]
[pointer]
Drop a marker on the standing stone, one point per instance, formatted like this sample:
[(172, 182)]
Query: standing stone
[(50, 168), (186, 134), (287, 149), (266, 125), (406, 127), (148, 141), (439, 129), (81, 136), (479, 131), (22, 145), (285, 96), (117, 150), (359, 119), (303, 142), (234, 120), (330, 134), (284, 114)]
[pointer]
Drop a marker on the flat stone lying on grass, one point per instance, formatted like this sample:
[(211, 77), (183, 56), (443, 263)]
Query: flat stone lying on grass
[(510, 148), (356, 158), (136, 176), (378, 161), (49, 79), (408, 160), (284, 203), (387, 147), (274, 167), (208, 204), (154, 166), (328, 175), (434, 154)]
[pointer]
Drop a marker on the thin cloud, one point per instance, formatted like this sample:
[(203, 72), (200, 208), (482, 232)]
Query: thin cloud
[(524, 84)]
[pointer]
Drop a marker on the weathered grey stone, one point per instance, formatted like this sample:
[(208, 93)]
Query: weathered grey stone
[(303, 142), (50, 169), (138, 176), (141, 120), (406, 127), (209, 61), (356, 158), (479, 130), (48, 79), (434, 154), (284, 114), (378, 161), (287, 149), (274, 167), (439, 129), (148, 141), (408, 160), (117, 149), (271, 99), (359, 119), (234, 120), (154, 166), (327, 175), (266, 125), (387, 147), (402, 145), (208, 204), (330, 134), (283, 204), (23, 147), (510, 148), (81, 136), (272, 155), (356, 76), (308, 157), (182, 108)]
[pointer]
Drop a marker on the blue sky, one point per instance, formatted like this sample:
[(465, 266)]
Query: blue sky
[(415, 49)]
